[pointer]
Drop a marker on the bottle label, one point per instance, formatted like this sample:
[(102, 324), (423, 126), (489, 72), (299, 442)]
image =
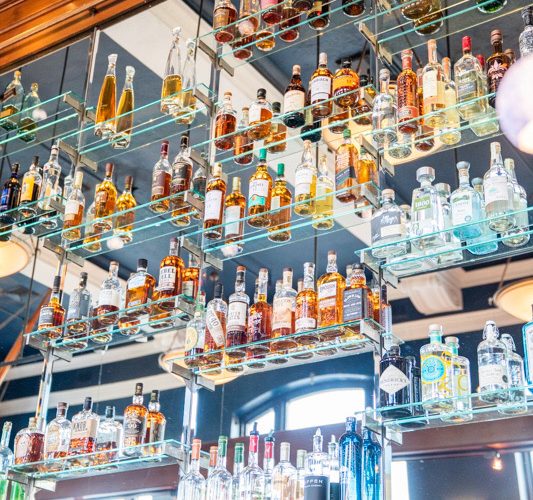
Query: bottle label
[(29, 193), (160, 183), (188, 288), (136, 282), (233, 224), (83, 429), (422, 204), (343, 84), (353, 304), (393, 380), (495, 72), (386, 225), (167, 278), (293, 100), (213, 202), (283, 311), (237, 312), (406, 113), (275, 203), (320, 88), (181, 178), (79, 306), (303, 182), (305, 324), (192, 338), (433, 89), (109, 297), (496, 189), (494, 374), (327, 290), (468, 89), (46, 316), (214, 326), (72, 208), (258, 192), (316, 487), (134, 429), (101, 198), (433, 369), (461, 209)]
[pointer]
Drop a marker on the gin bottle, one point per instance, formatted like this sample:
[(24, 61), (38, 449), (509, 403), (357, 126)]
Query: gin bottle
[(527, 336), (465, 206), (487, 241), (371, 466), (334, 469), (492, 365), (406, 262), (252, 478), (394, 384), (301, 458), (50, 183), (518, 235), (351, 462), (525, 41), (284, 475), (517, 402), (192, 485), (268, 465), (384, 112), (238, 466), (436, 376), (387, 228), (451, 251), (219, 482), (316, 483)]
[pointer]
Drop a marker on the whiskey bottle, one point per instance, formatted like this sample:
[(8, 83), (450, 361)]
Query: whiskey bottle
[(29, 443), (248, 18), (260, 320), (280, 216), (224, 18), (276, 139), (272, 15), (306, 307), (155, 424), (330, 299), (31, 186), (161, 176), (243, 151), (57, 436), (260, 117), (10, 198), (91, 238), (139, 290), (135, 416), (181, 183), (12, 100), (225, 125), (215, 332), (407, 95), (283, 314), (124, 219), (124, 119), (78, 312), (109, 437), (172, 83), (186, 111), (74, 207), (199, 182), (195, 334), (214, 204), (83, 435), (345, 85), (191, 278), (235, 206), (320, 87), (50, 188), (323, 216), (346, 185), (52, 315), (237, 319), (497, 64), (260, 193), (109, 297), (105, 109), (289, 27), (355, 306), (30, 108), (171, 271), (105, 199), (353, 8), (318, 15), (294, 100), (433, 87), (362, 111), (305, 183), (450, 133)]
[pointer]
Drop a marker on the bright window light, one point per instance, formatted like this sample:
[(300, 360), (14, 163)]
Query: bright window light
[(265, 422), (323, 408), (400, 479)]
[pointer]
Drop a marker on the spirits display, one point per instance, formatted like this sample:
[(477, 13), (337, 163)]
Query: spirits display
[(305, 189), (172, 82), (139, 290), (260, 194), (52, 315), (29, 443), (260, 115), (109, 298), (31, 187), (78, 313), (214, 204), (109, 437), (192, 485), (58, 434), (74, 208), (135, 416), (234, 211), (323, 216), (492, 365), (281, 199), (321, 87), (84, 429), (124, 119), (219, 482), (105, 110)]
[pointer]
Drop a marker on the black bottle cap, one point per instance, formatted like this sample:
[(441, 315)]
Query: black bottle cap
[(57, 283), (83, 278), (109, 412), (154, 396), (36, 160), (261, 93), (276, 107), (346, 62), (219, 290), (15, 168), (142, 263), (138, 389), (184, 140), (363, 80), (88, 403)]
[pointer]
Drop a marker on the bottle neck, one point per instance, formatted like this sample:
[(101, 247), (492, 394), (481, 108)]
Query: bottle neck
[(407, 63), (268, 458), (221, 461), (464, 177), (252, 451), (237, 468), (435, 337), (497, 47), (154, 406), (6, 434), (137, 399), (239, 282), (332, 264), (384, 85), (61, 412)]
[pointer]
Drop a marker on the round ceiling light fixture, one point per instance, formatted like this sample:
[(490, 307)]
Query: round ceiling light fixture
[(516, 299), (15, 255)]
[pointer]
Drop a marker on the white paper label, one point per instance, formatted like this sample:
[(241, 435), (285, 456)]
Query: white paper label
[(109, 297), (187, 288), (214, 326), (496, 189), (320, 88), (237, 316), (430, 87), (136, 282), (283, 308), (167, 278), (303, 181), (461, 210), (327, 290), (231, 215), (71, 209), (305, 324), (492, 375), (84, 429), (392, 230), (213, 202), (254, 114), (294, 100), (393, 380), (258, 192)]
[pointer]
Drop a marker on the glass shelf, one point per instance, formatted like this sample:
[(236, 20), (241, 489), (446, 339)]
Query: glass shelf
[(413, 416), (391, 32), (445, 256), (356, 337), (48, 121), (126, 330)]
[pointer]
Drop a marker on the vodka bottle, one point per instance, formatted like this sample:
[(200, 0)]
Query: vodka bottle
[(284, 475), (268, 465), (492, 365), (252, 478), (351, 462), (219, 483), (238, 466)]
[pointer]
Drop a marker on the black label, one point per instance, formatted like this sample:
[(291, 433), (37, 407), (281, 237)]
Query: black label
[(342, 176), (316, 488), (46, 316), (353, 304), (377, 224), (334, 491)]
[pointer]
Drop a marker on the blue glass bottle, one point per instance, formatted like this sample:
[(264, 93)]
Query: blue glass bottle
[(527, 332), (351, 462), (371, 466)]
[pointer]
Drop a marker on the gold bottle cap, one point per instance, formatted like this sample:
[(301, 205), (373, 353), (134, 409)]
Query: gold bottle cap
[(236, 183)]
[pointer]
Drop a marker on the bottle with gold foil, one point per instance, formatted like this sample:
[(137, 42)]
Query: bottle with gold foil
[(260, 319), (105, 200), (260, 116), (74, 208), (320, 86), (225, 124), (172, 82), (406, 95), (323, 216), (259, 193), (52, 314), (224, 17), (105, 109), (187, 100), (346, 157), (31, 186), (279, 229), (305, 183), (124, 119), (450, 132), (234, 211), (214, 204), (283, 314), (181, 183), (92, 236), (330, 296), (171, 270), (161, 177), (345, 85), (433, 85), (125, 217), (243, 151), (356, 306), (307, 307), (276, 140)]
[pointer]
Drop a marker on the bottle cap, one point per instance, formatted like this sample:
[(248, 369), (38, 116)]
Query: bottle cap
[(443, 188), (276, 107), (296, 69), (387, 193), (109, 412), (281, 169), (425, 172), (262, 154), (481, 60), (164, 148), (62, 406), (142, 263), (236, 183), (154, 396), (15, 168), (227, 94), (323, 59), (463, 165), (467, 44), (88, 403), (35, 160), (241, 269), (407, 53), (332, 253), (138, 389), (109, 169), (346, 133), (57, 283), (128, 182), (363, 80), (495, 36), (346, 62), (219, 290), (184, 141), (384, 74), (261, 93)]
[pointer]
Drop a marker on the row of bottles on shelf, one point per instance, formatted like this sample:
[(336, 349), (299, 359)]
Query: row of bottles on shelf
[(115, 307), (351, 468), (102, 439), (324, 319), (442, 384), (475, 215)]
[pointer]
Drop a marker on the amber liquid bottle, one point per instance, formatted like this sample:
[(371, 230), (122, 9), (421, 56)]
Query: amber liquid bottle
[(161, 176), (307, 307), (330, 294), (139, 291), (318, 15), (214, 204), (235, 207), (124, 220), (224, 17), (191, 279), (283, 315), (243, 150), (171, 272), (290, 17), (237, 321), (407, 95), (52, 315), (260, 115), (294, 100), (424, 136), (105, 200), (155, 425), (180, 184), (345, 170), (353, 8), (497, 64), (345, 85), (73, 216), (124, 120), (320, 87), (260, 322), (135, 416), (225, 125), (280, 216), (105, 109)]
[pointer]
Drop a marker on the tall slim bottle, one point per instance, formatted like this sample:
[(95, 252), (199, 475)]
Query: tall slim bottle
[(252, 478), (371, 466), (433, 87), (6, 460), (170, 101), (187, 100), (316, 482), (192, 485), (238, 466), (351, 462), (124, 120), (105, 110), (515, 372), (219, 483), (284, 475), (268, 465)]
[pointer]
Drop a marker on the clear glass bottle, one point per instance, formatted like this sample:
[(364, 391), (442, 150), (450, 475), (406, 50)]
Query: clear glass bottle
[(465, 205), (321, 88), (424, 138), (450, 133), (192, 485), (238, 304), (92, 236), (517, 402), (50, 187), (305, 183), (525, 40), (199, 181), (6, 460), (284, 475), (74, 209), (29, 443), (301, 458), (105, 109), (238, 466), (492, 365), (323, 216), (351, 461), (294, 100), (219, 482), (334, 468), (13, 99), (317, 469), (252, 478), (186, 111), (280, 216), (78, 313), (243, 151), (527, 338), (451, 250), (387, 227), (109, 437), (84, 428), (384, 112), (433, 88), (30, 110), (215, 332), (109, 298), (124, 119), (172, 82), (268, 465), (283, 314), (517, 236), (195, 333), (487, 241), (276, 139), (57, 435)]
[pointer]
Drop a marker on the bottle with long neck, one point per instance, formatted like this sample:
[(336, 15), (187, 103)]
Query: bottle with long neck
[(219, 482), (109, 298), (371, 466), (238, 467), (433, 85), (351, 461), (268, 465), (325, 186), (195, 333), (52, 315), (305, 183), (252, 478), (525, 40), (260, 319), (284, 475), (187, 100), (515, 369), (105, 199), (519, 234), (451, 133), (237, 319), (407, 95), (492, 359), (384, 112), (74, 208), (306, 308), (161, 177), (105, 109), (283, 314), (13, 98), (301, 456), (317, 473), (281, 200), (124, 120), (192, 485), (294, 100), (181, 183), (172, 82), (31, 185), (487, 241), (50, 184), (334, 469)]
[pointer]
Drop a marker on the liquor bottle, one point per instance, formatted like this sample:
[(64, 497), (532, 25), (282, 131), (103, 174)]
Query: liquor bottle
[(362, 110), (215, 333), (78, 312), (191, 278), (353, 8), (260, 319), (321, 88), (195, 333), (276, 139), (243, 150), (345, 85), (415, 10), (330, 293), (466, 205), (199, 181), (169, 285), (243, 47), (234, 211), (139, 290), (305, 183), (384, 112), (161, 176), (57, 434), (260, 194), (181, 183), (323, 216), (248, 19), (498, 192), (334, 469), (487, 242), (451, 250), (124, 120), (346, 186), (265, 39), (84, 429), (105, 199), (284, 475), (318, 15), (527, 336), (30, 109), (237, 319), (29, 443), (225, 124), (289, 27), (316, 482), (224, 17), (492, 365), (186, 111), (219, 482), (155, 423), (424, 140), (52, 315), (135, 415), (31, 186), (450, 133), (214, 204), (268, 465), (518, 235), (192, 485), (92, 236), (6, 460), (407, 95), (281, 200), (436, 372), (105, 109), (371, 466), (355, 305), (74, 208), (68, 182), (306, 308), (238, 467), (109, 297), (12, 100), (433, 88), (50, 188), (387, 228), (260, 117), (497, 64), (10, 198), (294, 100), (490, 7), (351, 461), (109, 437), (283, 314), (252, 479), (301, 457), (511, 56), (172, 82), (525, 40)]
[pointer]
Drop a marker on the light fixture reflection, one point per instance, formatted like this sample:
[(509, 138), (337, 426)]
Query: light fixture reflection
[(516, 299), (497, 462)]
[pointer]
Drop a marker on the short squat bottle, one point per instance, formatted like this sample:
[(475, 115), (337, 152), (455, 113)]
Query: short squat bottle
[(387, 228)]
